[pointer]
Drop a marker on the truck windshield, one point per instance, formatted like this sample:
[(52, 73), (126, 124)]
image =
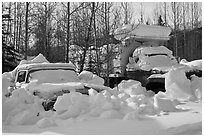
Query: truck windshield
[(21, 76), (156, 54), (53, 76)]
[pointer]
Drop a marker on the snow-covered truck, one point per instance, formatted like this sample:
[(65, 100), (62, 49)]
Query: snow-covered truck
[(50, 80), (143, 56)]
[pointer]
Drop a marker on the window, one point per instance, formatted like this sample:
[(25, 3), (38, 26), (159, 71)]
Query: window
[(21, 76)]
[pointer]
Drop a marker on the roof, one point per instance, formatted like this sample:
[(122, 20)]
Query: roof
[(46, 66), (143, 32)]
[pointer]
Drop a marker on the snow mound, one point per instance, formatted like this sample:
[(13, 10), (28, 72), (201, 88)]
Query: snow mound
[(195, 63), (25, 118), (196, 86), (177, 85), (7, 81), (164, 103), (131, 115), (90, 78), (131, 87), (46, 122), (103, 105), (111, 114), (85, 75), (39, 59)]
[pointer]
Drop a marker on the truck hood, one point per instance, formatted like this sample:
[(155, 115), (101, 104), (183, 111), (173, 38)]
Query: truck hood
[(47, 90)]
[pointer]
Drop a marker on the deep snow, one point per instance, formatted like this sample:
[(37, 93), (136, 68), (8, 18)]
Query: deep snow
[(147, 58), (126, 109), (141, 31)]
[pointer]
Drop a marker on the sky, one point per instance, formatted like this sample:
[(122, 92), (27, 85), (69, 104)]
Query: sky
[(148, 7)]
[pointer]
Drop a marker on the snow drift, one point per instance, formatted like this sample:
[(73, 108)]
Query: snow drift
[(129, 102)]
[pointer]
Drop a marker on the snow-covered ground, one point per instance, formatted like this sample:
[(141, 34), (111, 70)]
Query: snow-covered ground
[(128, 109)]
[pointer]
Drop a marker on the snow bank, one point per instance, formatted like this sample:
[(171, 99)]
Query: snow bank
[(178, 86), (46, 122), (196, 87), (7, 81), (21, 109), (90, 78), (131, 87), (130, 102), (163, 103), (194, 64)]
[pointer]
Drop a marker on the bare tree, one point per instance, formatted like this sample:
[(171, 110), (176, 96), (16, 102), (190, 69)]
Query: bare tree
[(26, 30), (127, 12), (68, 30), (141, 21), (87, 38), (174, 9)]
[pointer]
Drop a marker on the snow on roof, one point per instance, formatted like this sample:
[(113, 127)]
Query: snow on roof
[(40, 62), (143, 32), (39, 59), (47, 66), (152, 50)]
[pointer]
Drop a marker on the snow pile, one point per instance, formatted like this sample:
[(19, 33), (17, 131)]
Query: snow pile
[(196, 87), (131, 102), (193, 64), (46, 122), (103, 105), (163, 103), (21, 108), (7, 81), (127, 102), (131, 87), (146, 58), (90, 78), (142, 31), (179, 87), (38, 59)]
